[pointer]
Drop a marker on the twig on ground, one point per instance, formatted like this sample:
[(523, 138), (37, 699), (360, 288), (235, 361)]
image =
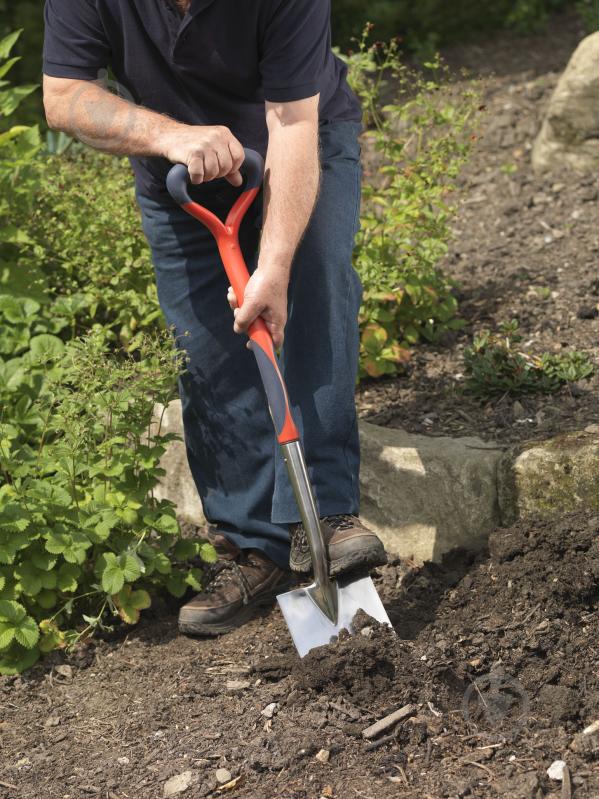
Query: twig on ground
[(388, 721)]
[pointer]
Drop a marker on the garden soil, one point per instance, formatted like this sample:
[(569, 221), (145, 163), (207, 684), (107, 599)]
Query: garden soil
[(495, 660), (525, 247)]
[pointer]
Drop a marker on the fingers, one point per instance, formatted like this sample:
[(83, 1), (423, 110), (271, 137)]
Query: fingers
[(219, 156), (237, 154), (277, 332), (244, 316), (195, 167), (235, 179), (248, 313), (231, 298)]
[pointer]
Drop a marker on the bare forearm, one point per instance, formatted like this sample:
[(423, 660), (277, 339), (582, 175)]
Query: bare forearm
[(291, 186), (106, 122), (86, 110)]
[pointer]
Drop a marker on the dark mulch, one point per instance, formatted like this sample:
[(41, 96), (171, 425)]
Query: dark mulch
[(498, 657)]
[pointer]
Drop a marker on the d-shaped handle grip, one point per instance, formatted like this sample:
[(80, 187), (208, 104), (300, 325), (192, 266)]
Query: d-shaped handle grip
[(252, 171)]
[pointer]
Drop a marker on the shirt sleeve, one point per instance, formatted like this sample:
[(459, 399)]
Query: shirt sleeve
[(296, 41), (75, 43)]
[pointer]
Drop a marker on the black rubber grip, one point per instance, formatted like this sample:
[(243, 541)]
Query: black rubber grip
[(275, 391), (252, 171)]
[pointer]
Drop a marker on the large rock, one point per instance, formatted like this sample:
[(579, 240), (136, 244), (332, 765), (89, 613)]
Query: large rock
[(569, 135), (177, 484), (425, 495), (550, 477)]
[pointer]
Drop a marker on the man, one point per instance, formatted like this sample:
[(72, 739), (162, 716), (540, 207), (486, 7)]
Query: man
[(207, 78)]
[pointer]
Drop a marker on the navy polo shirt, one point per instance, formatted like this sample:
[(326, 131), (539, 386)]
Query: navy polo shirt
[(214, 66)]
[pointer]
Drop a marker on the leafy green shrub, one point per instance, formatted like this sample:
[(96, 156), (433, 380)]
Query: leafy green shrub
[(494, 365), (415, 147), (81, 536), (82, 539), (86, 245)]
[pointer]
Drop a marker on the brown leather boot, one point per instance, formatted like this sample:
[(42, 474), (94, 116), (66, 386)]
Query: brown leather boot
[(351, 546), (240, 584)]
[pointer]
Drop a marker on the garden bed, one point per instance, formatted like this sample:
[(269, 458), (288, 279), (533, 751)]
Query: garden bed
[(497, 658), (525, 247)]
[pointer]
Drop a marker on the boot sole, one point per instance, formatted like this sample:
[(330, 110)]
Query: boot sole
[(243, 615), (365, 559)]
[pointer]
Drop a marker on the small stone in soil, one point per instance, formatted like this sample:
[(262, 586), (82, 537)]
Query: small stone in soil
[(323, 756), (556, 770), (234, 686), (223, 776), (64, 670), (591, 729), (177, 784), (269, 710), (518, 410), (587, 312)]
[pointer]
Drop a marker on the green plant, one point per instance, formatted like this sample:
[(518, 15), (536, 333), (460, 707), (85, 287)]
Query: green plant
[(82, 539), (85, 243), (494, 365), (415, 147)]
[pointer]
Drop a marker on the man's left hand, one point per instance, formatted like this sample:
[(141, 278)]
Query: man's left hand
[(265, 295)]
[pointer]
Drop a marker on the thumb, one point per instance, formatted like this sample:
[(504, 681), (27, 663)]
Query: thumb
[(245, 315), (234, 179)]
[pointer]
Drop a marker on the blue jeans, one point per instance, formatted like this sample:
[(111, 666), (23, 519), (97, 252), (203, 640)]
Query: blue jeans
[(231, 446)]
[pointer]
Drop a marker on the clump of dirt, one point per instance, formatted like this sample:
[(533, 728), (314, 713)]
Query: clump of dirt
[(554, 563), (359, 666), (530, 609)]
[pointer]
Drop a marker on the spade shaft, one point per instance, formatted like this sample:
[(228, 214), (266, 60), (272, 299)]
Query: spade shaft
[(318, 612), (324, 591)]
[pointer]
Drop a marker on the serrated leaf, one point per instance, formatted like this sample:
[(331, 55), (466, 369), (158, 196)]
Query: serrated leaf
[(208, 553), (27, 633), (131, 567), (68, 576), (29, 578), (166, 524), (176, 584), (185, 549), (7, 634), (11, 611), (194, 579), (113, 578), (42, 559), (17, 658), (130, 603), (162, 564)]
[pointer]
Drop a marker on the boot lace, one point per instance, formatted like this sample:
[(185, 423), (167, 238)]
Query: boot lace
[(222, 573), (342, 521)]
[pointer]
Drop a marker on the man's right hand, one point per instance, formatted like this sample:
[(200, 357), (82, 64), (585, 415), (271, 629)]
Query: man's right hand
[(87, 110), (209, 151)]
